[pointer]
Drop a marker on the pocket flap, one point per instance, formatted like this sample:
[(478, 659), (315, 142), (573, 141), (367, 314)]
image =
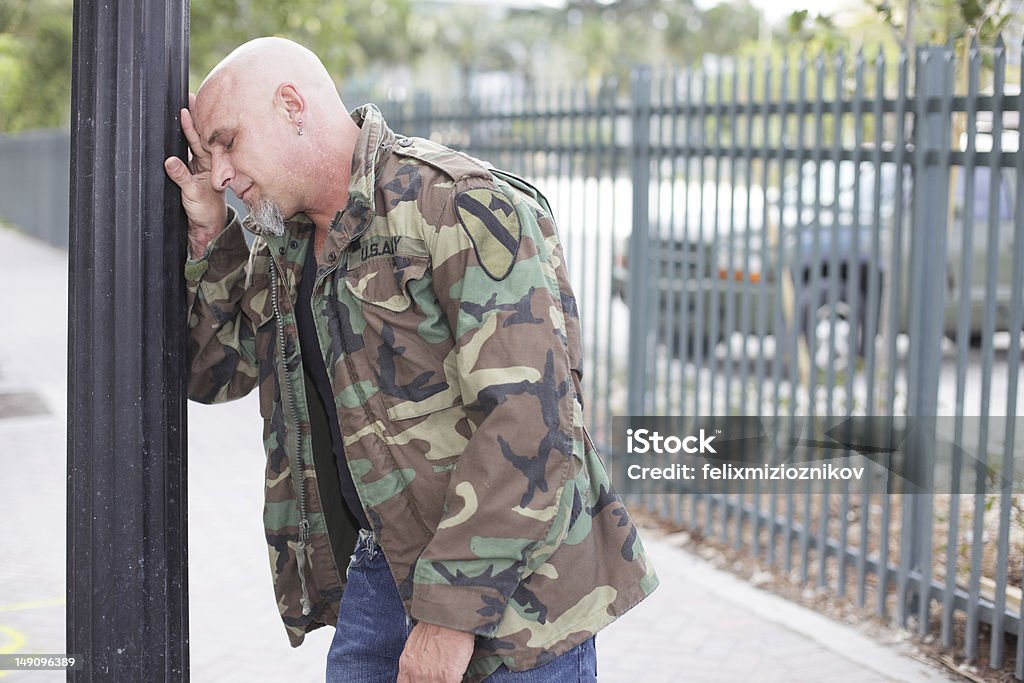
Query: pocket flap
[(382, 281)]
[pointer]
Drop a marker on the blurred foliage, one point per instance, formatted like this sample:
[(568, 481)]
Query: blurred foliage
[(608, 37), (36, 37), (941, 21), (359, 40), (35, 64), (884, 28), (909, 23), (478, 39), (816, 34), (347, 36), (373, 45)]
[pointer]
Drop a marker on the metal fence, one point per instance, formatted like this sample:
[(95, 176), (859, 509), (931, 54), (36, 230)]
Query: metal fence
[(822, 236), (35, 183)]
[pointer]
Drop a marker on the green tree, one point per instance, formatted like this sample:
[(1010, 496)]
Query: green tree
[(910, 23), (608, 37), (722, 29), (36, 41), (941, 21), (817, 33), (476, 39), (35, 64), (348, 36)]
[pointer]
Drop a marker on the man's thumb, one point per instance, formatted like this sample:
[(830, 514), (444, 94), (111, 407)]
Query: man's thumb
[(177, 170)]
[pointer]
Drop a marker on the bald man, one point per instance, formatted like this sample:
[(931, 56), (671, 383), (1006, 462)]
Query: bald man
[(406, 314)]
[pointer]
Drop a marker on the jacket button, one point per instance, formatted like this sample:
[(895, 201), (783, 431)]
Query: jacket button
[(405, 142), (294, 244), (280, 250), (332, 257)]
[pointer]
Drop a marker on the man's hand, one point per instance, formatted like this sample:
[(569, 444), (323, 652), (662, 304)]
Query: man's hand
[(435, 654), (204, 205)]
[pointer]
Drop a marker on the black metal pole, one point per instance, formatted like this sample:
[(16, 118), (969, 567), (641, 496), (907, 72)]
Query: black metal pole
[(127, 609)]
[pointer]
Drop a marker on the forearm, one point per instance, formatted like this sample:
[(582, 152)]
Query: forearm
[(221, 337)]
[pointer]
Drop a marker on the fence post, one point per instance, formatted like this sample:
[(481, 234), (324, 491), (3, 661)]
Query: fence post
[(423, 108), (639, 241), (127, 610), (927, 302)]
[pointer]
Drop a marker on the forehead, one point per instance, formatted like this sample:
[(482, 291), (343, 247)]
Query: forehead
[(217, 112)]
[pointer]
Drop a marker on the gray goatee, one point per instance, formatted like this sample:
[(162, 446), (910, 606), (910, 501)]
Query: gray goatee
[(266, 216)]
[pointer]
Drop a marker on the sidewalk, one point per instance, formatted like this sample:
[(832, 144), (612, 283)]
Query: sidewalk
[(702, 625)]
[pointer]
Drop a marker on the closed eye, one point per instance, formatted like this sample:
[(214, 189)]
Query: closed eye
[(231, 143)]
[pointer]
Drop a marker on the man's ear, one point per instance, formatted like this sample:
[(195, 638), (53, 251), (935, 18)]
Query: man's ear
[(290, 99)]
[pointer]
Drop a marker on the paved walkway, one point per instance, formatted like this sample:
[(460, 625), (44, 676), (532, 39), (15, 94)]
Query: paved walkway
[(702, 625)]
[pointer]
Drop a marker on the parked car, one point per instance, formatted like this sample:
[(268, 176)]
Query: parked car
[(705, 266), (826, 218), (844, 225)]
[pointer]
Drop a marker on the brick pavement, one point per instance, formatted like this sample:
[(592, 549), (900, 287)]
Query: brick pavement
[(702, 625)]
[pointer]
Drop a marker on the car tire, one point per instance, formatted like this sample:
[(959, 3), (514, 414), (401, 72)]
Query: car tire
[(841, 343)]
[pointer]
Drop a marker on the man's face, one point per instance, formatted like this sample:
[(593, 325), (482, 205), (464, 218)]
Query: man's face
[(243, 135)]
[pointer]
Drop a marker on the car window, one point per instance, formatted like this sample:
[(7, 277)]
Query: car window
[(817, 189)]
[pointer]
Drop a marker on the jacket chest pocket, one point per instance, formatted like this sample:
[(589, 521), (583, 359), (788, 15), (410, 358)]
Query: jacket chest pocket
[(383, 282), (405, 338)]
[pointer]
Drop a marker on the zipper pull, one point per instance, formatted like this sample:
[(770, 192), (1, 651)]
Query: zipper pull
[(300, 567), (304, 530)]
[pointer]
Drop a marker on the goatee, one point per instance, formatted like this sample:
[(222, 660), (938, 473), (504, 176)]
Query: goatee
[(266, 216)]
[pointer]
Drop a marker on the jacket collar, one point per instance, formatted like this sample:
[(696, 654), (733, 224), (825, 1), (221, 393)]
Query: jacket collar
[(372, 146)]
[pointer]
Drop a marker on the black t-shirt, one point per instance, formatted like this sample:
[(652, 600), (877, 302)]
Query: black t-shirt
[(321, 401)]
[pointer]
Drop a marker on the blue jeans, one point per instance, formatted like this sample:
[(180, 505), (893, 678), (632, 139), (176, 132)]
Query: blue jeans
[(373, 627)]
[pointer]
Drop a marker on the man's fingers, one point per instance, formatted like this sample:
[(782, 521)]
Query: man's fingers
[(200, 158), (188, 126)]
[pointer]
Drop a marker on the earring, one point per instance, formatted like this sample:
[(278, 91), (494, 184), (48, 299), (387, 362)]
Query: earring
[(300, 126)]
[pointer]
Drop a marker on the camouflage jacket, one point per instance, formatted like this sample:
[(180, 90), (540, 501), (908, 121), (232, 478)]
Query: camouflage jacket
[(451, 336)]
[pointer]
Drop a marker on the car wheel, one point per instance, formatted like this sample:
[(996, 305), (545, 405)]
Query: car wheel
[(836, 343)]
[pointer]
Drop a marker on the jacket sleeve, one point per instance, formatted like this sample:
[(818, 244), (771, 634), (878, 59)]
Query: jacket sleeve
[(499, 275), (221, 341)]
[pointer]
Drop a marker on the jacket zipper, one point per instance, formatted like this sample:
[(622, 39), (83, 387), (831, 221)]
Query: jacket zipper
[(299, 476), (296, 464)]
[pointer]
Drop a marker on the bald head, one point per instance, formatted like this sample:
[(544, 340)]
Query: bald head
[(253, 74), (270, 61)]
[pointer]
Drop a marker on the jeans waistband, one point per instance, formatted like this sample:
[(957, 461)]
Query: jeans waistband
[(366, 543)]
